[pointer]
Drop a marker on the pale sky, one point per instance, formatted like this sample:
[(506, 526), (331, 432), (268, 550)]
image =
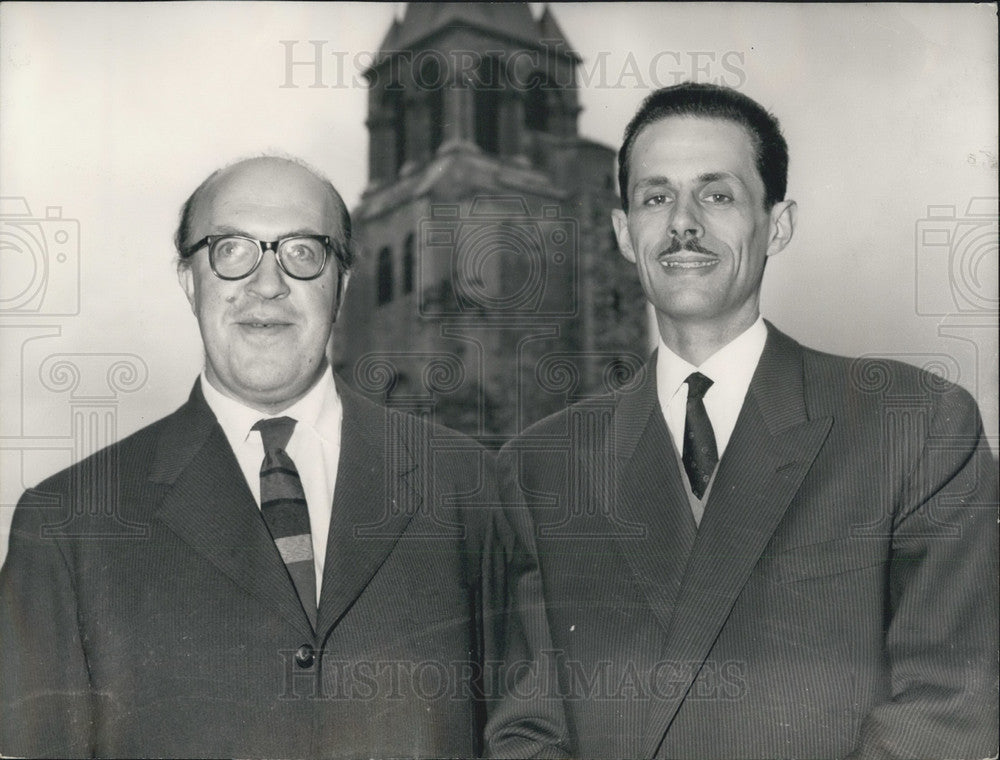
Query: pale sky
[(115, 112)]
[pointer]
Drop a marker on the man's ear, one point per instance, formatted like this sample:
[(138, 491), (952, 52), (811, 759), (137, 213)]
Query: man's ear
[(620, 221), (783, 217), (186, 279)]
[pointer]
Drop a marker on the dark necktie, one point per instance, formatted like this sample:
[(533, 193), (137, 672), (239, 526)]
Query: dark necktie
[(700, 455), (283, 505)]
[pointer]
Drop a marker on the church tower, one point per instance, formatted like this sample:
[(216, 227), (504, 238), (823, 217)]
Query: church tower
[(488, 291)]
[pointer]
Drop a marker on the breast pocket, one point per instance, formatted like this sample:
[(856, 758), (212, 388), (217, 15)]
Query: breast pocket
[(827, 558)]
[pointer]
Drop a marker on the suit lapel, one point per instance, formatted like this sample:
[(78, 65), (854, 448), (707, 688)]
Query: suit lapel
[(210, 507), (650, 496), (772, 448), (375, 498)]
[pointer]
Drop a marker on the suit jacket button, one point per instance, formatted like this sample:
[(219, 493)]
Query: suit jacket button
[(304, 656)]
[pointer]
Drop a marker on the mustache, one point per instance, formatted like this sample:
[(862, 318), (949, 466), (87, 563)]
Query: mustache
[(688, 244)]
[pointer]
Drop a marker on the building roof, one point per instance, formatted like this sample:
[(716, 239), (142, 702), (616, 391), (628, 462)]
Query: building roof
[(509, 20), (549, 29)]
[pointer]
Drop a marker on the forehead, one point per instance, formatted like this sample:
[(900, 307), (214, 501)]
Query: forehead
[(266, 198), (683, 147)]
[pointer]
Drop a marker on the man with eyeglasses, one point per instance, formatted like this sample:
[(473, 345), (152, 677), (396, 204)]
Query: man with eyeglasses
[(279, 568)]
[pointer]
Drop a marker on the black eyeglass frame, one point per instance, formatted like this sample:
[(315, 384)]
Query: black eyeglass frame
[(263, 246)]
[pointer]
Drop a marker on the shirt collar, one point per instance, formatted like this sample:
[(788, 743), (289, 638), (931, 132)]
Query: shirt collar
[(319, 409), (732, 366)]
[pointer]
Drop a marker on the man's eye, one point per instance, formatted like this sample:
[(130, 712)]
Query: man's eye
[(303, 250), (232, 249), (718, 198), (654, 200)]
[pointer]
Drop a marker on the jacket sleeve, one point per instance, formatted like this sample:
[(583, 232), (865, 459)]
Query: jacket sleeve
[(45, 698), (525, 712), (941, 633)]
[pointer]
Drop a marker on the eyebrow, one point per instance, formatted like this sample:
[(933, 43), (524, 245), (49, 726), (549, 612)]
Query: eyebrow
[(701, 178), (716, 176), (225, 229)]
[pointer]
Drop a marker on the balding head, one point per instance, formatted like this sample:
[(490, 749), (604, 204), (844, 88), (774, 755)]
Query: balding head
[(261, 183)]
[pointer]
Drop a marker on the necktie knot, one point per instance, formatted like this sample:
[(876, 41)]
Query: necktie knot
[(276, 432), (698, 385)]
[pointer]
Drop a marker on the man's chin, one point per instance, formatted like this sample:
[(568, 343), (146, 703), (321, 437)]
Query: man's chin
[(269, 391), (272, 399), (689, 306)]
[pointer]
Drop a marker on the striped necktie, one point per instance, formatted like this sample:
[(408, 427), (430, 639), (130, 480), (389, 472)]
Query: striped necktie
[(283, 506)]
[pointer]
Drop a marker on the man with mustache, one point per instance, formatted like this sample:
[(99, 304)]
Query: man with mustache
[(279, 568), (759, 550)]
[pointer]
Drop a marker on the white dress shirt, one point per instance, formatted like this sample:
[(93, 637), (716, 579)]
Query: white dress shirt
[(730, 369), (314, 447)]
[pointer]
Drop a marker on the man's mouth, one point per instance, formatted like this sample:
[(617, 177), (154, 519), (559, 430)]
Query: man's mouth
[(263, 324), (687, 254), (687, 260)]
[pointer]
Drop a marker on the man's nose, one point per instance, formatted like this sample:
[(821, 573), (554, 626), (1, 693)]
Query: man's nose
[(268, 281), (686, 220)]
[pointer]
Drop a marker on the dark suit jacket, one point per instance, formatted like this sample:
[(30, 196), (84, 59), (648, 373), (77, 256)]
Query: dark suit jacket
[(839, 596), (144, 609)]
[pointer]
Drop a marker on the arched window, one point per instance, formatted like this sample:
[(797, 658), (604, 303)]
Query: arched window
[(408, 264), (536, 103), (487, 100), (397, 107), (384, 276), (432, 81)]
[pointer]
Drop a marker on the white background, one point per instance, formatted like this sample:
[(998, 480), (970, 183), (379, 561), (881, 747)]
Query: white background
[(115, 112)]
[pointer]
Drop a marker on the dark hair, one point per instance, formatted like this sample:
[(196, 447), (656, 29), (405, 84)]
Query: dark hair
[(344, 249), (714, 102)]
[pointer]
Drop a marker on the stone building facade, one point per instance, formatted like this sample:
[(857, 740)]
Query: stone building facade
[(488, 291)]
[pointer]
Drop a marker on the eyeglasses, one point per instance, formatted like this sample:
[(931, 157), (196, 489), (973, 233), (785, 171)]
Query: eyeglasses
[(233, 257)]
